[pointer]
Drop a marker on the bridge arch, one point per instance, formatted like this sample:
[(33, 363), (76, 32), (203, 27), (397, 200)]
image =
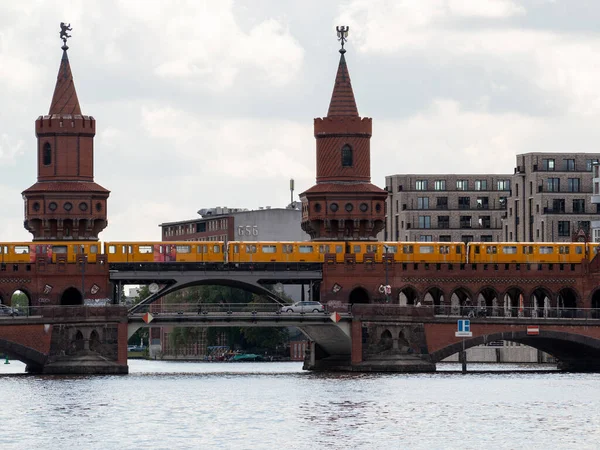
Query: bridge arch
[(34, 359), (570, 349), (434, 295), (408, 295), (595, 304), (567, 298), (460, 298), (513, 301), (386, 341), (358, 295), (71, 297), (540, 300), (487, 300)]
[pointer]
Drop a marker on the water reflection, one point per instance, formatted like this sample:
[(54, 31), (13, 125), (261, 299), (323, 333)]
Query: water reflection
[(270, 405)]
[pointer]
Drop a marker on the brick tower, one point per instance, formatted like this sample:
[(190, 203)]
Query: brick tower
[(65, 203), (344, 204)]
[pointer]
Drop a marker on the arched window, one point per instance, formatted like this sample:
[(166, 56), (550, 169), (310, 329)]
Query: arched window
[(346, 156), (47, 157)]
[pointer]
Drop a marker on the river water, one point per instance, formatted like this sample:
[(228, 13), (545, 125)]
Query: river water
[(178, 405)]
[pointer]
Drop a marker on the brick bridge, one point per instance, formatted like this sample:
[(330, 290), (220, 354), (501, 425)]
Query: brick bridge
[(408, 330)]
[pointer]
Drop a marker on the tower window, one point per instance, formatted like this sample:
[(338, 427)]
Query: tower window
[(346, 156), (47, 154)]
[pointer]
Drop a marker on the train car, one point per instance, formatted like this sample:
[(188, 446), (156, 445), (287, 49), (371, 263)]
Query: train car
[(526, 252), (273, 252), (165, 252), (51, 252), (426, 252), (593, 248)]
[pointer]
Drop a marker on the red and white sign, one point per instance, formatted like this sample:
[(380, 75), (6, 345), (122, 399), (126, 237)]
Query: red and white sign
[(335, 317), (533, 330), (148, 317)]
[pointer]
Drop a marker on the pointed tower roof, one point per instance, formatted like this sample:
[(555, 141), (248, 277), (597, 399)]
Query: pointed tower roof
[(342, 100), (64, 100)]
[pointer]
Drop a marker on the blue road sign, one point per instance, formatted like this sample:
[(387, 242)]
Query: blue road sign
[(464, 326)]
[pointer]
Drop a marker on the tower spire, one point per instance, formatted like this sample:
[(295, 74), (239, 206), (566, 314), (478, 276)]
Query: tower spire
[(342, 99), (64, 100)]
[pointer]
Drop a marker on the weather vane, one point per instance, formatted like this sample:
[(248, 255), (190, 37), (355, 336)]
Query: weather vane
[(64, 27), (342, 34)]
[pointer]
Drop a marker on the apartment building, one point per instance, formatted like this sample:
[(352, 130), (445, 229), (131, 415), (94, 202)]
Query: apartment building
[(548, 197), (446, 207)]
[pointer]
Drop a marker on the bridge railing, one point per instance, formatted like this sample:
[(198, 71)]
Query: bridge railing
[(68, 312), (219, 308)]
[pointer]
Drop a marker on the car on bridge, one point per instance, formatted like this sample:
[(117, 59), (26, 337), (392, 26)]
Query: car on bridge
[(304, 307), (8, 311)]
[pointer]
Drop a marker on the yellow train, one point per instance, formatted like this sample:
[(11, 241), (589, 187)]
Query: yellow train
[(267, 252)]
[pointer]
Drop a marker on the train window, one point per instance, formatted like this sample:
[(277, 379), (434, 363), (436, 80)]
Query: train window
[(183, 249), (62, 249), (93, 249), (491, 249), (339, 249), (390, 248), (112, 249), (579, 250), (269, 249), (509, 249), (250, 248), (356, 249), (21, 249), (528, 249), (217, 248), (546, 250), (426, 249), (305, 248), (236, 248), (288, 248), (407, 249), (476, 249), (372, 248), (444, 249), (458, 250), (145, 249), (563, 250), (323, 248)]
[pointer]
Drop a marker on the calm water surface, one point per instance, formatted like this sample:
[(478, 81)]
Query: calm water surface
[(172, 405)]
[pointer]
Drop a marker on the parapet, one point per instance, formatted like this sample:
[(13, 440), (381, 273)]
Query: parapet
[(65, 124), (343, 125)]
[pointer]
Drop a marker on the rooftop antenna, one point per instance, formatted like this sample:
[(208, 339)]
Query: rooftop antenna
[(292, 192)]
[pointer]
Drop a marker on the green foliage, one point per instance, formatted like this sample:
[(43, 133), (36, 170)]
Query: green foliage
[(141, 333), (19, 300)]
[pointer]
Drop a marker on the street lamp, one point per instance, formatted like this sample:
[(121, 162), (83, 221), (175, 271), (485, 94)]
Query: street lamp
[(387, 286), (83, 262)]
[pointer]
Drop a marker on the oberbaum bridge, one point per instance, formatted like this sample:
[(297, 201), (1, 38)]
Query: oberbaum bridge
[(361, 331)]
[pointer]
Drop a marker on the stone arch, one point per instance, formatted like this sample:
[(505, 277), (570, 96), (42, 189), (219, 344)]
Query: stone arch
[(461, 300), (403, 339), (540, 301), (596, 304), (358, 295), (435, 296), (513, 302), (21, 300), (94, 341), (487, 301), (78, 342), (386, 341), (34, 359), (408, 295), (567, 301), (71, 297)]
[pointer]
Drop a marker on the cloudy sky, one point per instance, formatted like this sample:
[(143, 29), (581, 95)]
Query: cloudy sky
[(211, 103)]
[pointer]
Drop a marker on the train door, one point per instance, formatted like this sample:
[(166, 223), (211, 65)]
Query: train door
[(3, 253), (235, 249)]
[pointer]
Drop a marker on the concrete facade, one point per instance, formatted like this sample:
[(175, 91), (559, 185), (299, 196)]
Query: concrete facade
[(546, 199)]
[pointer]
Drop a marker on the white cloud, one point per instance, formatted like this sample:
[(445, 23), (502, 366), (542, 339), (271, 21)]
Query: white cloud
[(9, 150)]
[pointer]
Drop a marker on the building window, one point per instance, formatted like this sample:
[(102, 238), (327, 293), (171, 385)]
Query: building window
[(465, 221), (483, 203), (464, 202), (424, 221), (583, 225), (503, 185), (589, 163), (364, 207), (481, 185), (564, 228), (485, 222), (569, 165), (462, 185), (439, 185), (426, 238), (486, 238), (442, 203), (68, 206), (466, 238), (422, 202), (553, 184), (421, 185), (346, 156), (445, 238), (444, 222), (349, 207), (47, 154), (573, 184), (548, 164), (502, 202), (558, 205), (579, 206), (334, 207)]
